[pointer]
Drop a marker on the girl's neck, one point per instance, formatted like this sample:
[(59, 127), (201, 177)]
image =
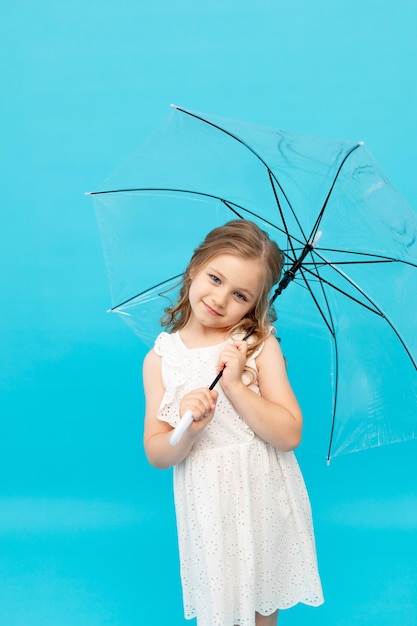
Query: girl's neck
[(202, 337)]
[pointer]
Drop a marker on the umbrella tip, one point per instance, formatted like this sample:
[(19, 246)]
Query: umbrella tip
[(361, 143), (174, 106)]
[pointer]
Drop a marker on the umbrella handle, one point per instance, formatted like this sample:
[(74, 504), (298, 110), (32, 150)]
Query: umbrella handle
[(182, 426)]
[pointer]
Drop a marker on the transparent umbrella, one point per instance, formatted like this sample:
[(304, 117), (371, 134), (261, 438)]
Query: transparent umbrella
[(348, 297)]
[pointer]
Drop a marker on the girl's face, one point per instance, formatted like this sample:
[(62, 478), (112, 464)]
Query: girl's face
[(224, 290)]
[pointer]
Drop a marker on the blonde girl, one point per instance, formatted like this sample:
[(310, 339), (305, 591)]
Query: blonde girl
[(244, 523)]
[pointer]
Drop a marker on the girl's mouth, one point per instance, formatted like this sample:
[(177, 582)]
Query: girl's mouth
[(212, 311)]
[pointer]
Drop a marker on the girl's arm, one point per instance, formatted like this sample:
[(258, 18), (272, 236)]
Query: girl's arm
[(157, 433), (274, 415)]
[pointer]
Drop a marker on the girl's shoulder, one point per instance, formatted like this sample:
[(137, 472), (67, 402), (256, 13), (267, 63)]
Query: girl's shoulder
[(166, 344), (270, 353), (162, 339), (270, 338)]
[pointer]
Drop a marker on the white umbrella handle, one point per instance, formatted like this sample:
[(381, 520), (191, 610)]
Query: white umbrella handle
[(182, 426)]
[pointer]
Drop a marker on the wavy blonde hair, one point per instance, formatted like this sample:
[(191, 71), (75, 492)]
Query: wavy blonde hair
[(244, 239)]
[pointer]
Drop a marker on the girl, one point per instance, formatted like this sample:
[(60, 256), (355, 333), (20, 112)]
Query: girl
[(243, 515)]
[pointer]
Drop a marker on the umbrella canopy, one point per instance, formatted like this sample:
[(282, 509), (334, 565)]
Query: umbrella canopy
[(349, 302)]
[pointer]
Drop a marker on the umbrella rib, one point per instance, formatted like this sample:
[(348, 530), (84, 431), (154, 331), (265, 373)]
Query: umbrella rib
[(379, 258), (230, 206), (344, 293), (252, 150), (374, 308), (228, 203), (330, 324), (226, 132), (272, 178), (262, 219), (167, 189), (258, 156), (164, 282), (335, 396), (370, 262), (339, 169), (371, 258)]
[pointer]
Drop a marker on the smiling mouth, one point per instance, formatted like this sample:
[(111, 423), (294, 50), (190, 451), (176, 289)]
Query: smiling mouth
[(212, 311)]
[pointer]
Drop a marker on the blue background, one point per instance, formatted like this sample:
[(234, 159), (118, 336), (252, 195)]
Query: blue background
[(87, 531)]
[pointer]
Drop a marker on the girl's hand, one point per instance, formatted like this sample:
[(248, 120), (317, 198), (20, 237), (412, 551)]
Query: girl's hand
[(202, 404), (232, 361)]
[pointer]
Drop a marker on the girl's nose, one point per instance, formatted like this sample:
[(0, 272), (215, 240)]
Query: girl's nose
[(219, 298)]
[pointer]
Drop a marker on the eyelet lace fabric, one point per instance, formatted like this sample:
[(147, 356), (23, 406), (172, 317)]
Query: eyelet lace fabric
[(245, 530)]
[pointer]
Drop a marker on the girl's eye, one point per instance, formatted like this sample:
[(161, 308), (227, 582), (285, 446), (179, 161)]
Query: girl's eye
[(214, 278), (240, 296)]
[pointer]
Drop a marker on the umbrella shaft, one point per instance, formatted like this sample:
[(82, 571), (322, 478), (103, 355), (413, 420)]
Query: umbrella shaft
[(289, 275)]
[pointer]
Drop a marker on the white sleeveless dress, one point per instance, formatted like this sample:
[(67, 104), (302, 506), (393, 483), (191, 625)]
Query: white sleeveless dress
[(245, 531)]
